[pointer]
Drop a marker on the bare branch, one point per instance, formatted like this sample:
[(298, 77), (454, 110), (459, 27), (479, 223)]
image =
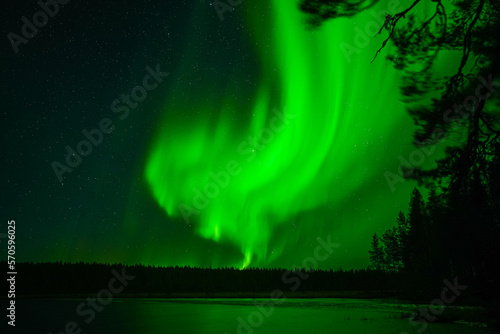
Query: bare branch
[(394, 21)]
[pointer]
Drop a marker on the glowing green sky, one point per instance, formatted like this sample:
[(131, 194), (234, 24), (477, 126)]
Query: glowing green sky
[(318, 174), (315, 154)]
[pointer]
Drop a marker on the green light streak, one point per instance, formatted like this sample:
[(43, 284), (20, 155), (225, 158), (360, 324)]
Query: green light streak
[(313, 161)]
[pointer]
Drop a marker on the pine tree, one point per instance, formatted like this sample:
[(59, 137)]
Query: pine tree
[(417, 244), (391, 246), (403, 229), (491, 245), (377, 256), (436, 210)]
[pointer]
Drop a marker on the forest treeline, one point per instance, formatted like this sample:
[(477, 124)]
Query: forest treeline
[(60, 279), (57, 278), (455, 234)]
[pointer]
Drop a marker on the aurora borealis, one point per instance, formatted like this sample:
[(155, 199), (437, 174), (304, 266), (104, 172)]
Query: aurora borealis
[(307, 132)]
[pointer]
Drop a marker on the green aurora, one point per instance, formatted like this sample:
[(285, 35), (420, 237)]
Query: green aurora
[(317, 175), (326, 145)]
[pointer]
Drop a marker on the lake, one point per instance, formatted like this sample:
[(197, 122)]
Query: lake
[(185, 316)]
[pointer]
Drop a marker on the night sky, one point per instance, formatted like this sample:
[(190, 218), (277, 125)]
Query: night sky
[(316, 173)]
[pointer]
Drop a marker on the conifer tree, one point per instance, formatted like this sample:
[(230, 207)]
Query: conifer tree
[(377, 256)]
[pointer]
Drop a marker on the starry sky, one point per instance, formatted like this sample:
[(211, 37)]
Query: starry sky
[(299, 131)]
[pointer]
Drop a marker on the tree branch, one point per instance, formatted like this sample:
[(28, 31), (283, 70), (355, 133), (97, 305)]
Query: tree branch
[(394, 21)]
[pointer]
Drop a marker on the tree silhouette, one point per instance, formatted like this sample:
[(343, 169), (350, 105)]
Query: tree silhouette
[(321, 10), (402, 234), (446, 107), (377, 256), (390, 240), (457, 231), (419, 247)]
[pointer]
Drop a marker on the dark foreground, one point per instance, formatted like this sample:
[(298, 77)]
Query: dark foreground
[(278, 315)]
